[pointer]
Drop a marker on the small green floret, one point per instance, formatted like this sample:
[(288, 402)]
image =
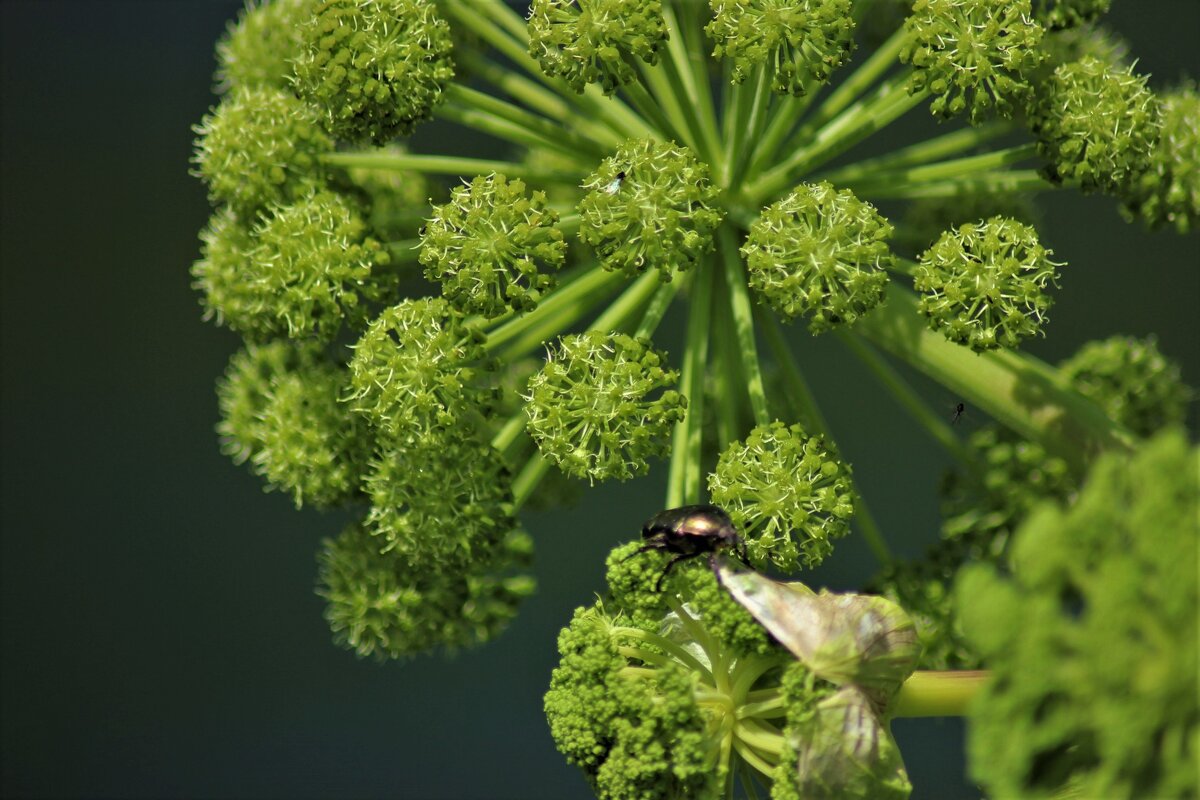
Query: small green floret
[(983, 285), (1059, 14), (975, 56), (800, 42), (1132, 381), (595, 41), (396, 605), (490, 245), (221, 274), (260, 146), (1168, 192), (592, 410), (415, 368), (257, 49), (312, 266), (281, 411), (1096, 124), (441, 495), (787, 493), (375, 68), (1092, 640), (660, 214), (819, 252)]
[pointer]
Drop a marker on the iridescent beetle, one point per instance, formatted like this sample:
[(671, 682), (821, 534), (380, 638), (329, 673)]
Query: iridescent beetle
[(688, 532)]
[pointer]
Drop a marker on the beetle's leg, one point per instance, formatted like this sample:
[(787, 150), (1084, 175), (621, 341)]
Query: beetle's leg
[(671, 563), (643, 549)]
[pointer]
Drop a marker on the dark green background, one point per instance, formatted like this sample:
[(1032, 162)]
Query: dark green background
[(160, 635)]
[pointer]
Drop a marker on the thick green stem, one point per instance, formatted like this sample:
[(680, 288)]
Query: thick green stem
[(1018, 390), (750, 127), (528, 479), (504, 120), (688, 60), (645, 105), (657, 308), (938, 694), (942, 171), (571, 300), (856, 123), (684, 480), (783, 118), (854, 85), (1006, 182), (446, 165), (921, 153), (743, 323), (626, 307), (806, 408), (666, 96)]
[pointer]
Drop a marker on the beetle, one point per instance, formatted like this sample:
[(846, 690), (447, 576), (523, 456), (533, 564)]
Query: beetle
[(689, 532)]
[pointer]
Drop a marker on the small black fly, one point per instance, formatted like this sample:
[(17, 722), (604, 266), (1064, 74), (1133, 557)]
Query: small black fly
[(689, 532), (958, 412)]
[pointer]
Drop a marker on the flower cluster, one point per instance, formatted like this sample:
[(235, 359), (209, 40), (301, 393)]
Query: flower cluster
[(435, 340)]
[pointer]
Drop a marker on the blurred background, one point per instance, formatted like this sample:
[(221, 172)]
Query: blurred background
[(160, 633)]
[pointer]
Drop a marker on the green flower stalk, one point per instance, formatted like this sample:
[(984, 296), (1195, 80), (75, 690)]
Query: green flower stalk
[(440, 337)]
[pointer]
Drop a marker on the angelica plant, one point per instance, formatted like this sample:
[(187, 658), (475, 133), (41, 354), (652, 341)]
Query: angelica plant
[(435, 341)]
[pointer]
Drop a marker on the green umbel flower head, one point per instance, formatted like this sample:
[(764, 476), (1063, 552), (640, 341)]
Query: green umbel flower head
[(1097, 125), (312, 265), (1132, 382), (486, 246), (1091, 639), (281, 410), (259, 48), (1168, 192), (258, 147), (649, 206), (788, 494), (416, 368), (375, 68), (594, 41), (395, 605), (1059, 14), (591, 409), (819, 252), (800, 42), (221, 273), (983, 285), (440, 494), (973, 55)]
